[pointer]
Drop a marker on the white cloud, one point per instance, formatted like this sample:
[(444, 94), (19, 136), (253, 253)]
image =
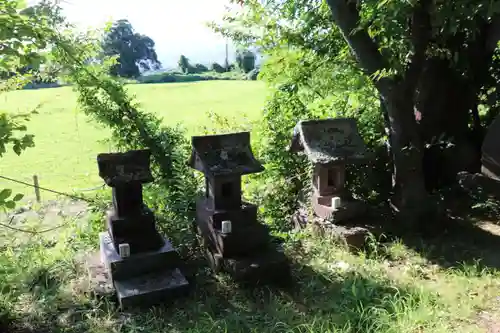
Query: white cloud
[(177, 26)]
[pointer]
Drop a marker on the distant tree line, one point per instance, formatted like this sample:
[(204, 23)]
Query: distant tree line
[(135, 53), (245, 61)]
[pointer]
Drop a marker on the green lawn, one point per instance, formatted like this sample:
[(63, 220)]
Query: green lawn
[(406, 285), (67, 142)]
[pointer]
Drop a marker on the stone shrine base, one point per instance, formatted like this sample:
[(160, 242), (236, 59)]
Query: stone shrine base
[(353, 234), (348, 210), (269, 266), (143, 279), (151, 289)]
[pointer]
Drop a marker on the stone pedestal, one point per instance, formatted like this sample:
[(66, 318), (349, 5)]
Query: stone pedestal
[(268, 266), (248, 253), (349, 208), (228, 228), (143, 266), (331, 144), (146, 278), (139, 231)]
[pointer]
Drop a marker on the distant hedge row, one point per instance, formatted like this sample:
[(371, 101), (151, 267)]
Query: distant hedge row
[(169, 77)]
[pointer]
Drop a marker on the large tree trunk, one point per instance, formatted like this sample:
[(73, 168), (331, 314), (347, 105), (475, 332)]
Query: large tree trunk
[(410, 195), (446, 101)]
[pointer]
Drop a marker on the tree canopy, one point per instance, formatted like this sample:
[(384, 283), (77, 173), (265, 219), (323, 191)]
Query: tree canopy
[(136, 52), (421, 76), (245, 60)]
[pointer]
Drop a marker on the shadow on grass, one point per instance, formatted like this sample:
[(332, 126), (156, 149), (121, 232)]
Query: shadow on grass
[(318, 302), (454, 241), (461, 242)]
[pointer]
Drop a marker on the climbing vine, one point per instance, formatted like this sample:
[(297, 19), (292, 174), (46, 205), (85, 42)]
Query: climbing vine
[(105, 99)]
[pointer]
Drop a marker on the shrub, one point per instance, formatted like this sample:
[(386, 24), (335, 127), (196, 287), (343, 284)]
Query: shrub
[(217, 68), (199, 68), (253, 74)]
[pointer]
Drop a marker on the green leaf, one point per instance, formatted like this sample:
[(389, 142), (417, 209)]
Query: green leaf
[(5, 194), (17, 149), (18, 197), (10, 204)]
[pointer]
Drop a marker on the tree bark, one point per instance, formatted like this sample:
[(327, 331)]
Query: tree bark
[(448, 100), (397, 95)]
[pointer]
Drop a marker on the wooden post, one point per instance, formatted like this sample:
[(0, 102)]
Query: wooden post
[(37, 188)]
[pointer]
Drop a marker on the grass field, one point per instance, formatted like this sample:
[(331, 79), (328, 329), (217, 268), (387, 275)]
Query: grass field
[(446, 283), (390, 289), (67, 142)]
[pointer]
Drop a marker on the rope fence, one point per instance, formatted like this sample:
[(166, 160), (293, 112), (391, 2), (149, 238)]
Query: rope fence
[(36, 186), (37, 189)]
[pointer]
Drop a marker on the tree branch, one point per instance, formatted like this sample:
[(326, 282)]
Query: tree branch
[(421, 33), (346, 16)]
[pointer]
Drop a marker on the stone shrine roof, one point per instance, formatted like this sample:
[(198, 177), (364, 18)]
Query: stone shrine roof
[(123, 168), (328, 141), (224, 155)]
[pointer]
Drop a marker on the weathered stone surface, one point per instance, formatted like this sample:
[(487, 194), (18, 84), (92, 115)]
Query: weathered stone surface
[(135, 265), (479, 182), (150, 289), (130, 221), (353, 238), (241, 241), (328, 141), (224, 155), (121, 168), (138, 231), (331, 144), (149, 271), (349, 209), (491, 151), (261, 268), (246, 214), (98, 282), (329, 179), (245, 250)]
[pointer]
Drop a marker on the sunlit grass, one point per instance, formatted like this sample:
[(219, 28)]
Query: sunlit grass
[(67, 142), (388, 289)]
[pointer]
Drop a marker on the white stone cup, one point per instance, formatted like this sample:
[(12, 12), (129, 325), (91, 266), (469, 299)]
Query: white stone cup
[(336, 202), (124, 250), (226, 227)]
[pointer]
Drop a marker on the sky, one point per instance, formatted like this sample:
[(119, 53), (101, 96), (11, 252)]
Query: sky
[(177, 26)]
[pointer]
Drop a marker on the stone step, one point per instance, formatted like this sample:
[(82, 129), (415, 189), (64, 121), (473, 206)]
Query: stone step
[(151, 289), (271, 266), (137, 264)]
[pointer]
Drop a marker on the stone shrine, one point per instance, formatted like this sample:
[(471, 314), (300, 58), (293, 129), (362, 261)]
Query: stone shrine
[(490, 158), (488, 180), (143, 265), (331, 144), (233, 238)]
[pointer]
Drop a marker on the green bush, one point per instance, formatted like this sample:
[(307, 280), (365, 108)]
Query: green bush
[(199, 68), (217, 68), (170, 77), (253, 74)]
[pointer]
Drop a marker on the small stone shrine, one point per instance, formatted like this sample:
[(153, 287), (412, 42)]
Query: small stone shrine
[(331, 144), (233, 238), (488, 181), (491, 151), (143, 265)]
